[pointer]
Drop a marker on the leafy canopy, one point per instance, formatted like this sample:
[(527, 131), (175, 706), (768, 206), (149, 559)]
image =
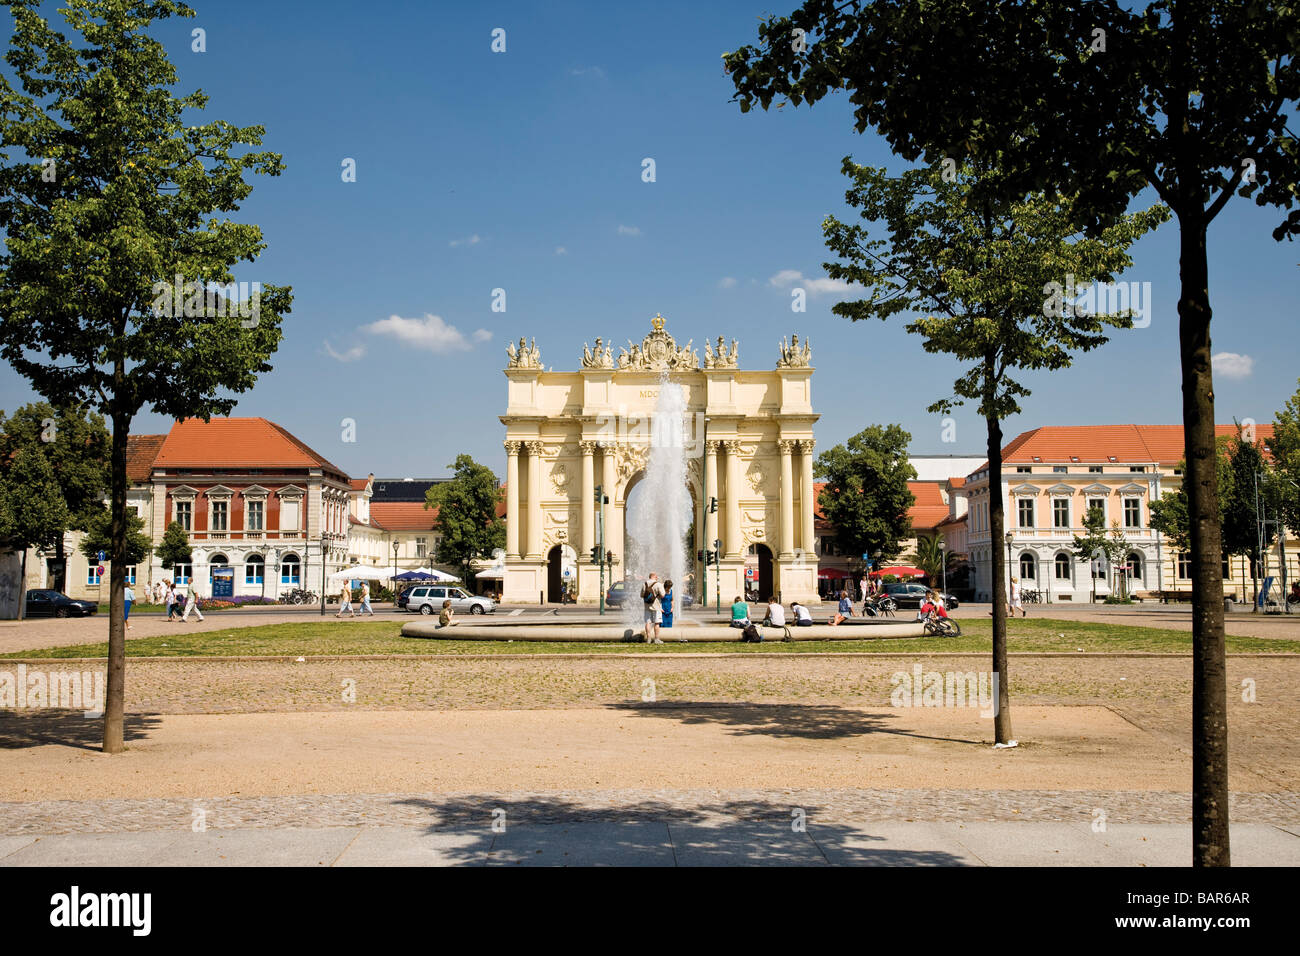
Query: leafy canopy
[(467, 519), (866, 497)]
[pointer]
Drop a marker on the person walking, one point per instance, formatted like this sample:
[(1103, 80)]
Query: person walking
[(652, 593), (191, 602), (862, 588), (169, 598), (129, 599), (1015, 599), (365, 598), (345, 601)]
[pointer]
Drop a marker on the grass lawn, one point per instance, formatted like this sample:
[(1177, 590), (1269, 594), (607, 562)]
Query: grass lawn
[(345, 638)]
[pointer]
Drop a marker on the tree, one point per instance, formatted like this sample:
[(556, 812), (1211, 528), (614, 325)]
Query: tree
[(1286, 458), (977, 270), (1188, 97), (113, 207), (929, 557), (175, 546), (32, 509), (1239, 505), (76, 444), (866, 497), (99, 536), (467, 520)]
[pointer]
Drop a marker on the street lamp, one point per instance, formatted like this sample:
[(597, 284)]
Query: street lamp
[(397, 546), (943, 560), (1009, 538)]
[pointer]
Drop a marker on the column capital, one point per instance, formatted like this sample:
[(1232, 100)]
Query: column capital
[(733, 446), (712, 447), (787, 446), (512, 447), (806, 445), (534, 448), (587, 447)]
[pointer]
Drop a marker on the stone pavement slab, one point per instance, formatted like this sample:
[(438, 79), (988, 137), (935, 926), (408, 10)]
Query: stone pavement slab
[(583, 844), (408, 846), (287, 847), (93, 849), (743, 844), (894, 844)]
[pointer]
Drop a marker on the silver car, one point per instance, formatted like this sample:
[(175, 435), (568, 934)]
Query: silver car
[(428, 598)]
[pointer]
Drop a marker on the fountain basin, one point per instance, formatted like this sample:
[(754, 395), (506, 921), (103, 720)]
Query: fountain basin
[(623, 633)]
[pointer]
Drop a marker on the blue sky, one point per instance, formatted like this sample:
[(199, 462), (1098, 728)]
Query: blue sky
[(522, 170)]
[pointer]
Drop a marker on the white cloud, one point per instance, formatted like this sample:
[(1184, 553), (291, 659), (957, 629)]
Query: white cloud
[(351, 355), (561, 251), (629, 231), (814, 286), (1232, 365), (726, 282), (473, 240), (587, 71), (482, 335), (430, 333)]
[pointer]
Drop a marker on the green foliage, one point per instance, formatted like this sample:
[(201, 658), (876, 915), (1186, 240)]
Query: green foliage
[(175, 547), (1286, 456), (467, 519), (75, 443), (32, 510), (98, 537), (1237, 502), (866, 497), (929, 557)]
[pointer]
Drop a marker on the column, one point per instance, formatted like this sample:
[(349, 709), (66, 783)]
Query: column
[(787, 498), (613, 527), (586, 509), (513, 516), (534, 499), (710, 491), (808, 497), (733, 499)]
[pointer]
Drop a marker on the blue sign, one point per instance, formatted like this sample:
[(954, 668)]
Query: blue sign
[(223, 582), (101, 556)]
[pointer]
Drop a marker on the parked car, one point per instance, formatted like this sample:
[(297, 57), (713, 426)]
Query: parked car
[(403, 598), (913, 595), (428, 598), (57, 604), (619, 592)]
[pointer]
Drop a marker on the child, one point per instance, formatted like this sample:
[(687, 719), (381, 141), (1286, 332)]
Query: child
[(444, 618)]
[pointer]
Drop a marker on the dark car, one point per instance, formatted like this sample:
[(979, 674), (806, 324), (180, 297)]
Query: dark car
[(403, 598), (57, 604), (619, 592), (913, 595)]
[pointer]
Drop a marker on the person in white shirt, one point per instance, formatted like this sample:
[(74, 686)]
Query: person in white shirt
[(802, 616), (775, 614), (191, 603)]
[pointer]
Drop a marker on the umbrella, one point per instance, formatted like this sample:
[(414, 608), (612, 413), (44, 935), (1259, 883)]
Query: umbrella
[(359, 573), (413, 576), (899, 572), (443, 575)]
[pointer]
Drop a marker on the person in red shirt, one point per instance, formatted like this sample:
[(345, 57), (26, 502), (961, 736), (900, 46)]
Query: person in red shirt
[(931, 607)]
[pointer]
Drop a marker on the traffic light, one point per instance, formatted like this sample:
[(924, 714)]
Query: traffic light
[(609, 557), (595, 555), (713, 505), (711, 557), (699, 555)]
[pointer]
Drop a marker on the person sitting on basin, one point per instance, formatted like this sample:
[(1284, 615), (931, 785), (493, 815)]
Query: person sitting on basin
[(845, 608), (739, 613), (775, 614), (802, 616), (444, 618)]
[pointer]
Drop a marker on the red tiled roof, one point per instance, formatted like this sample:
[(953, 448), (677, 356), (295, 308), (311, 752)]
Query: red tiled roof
[(1097, 444), (141, 450), (402, 515), (957, 482), (929, 511), (236, 443), (359, 484)]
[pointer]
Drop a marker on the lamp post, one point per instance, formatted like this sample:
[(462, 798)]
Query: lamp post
[(322, 574), (397, 546), (943, 560), (717, 575), (1009, 538)]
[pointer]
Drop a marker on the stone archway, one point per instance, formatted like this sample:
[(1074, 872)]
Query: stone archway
[(555, 575)]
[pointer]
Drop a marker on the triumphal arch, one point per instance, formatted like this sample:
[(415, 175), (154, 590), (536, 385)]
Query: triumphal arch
[(748, 443)]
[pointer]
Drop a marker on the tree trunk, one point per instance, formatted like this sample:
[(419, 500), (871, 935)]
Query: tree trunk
[(1209, 679), (1002, 720), (116, 685)]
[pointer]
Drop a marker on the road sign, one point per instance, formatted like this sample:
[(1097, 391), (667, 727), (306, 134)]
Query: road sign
[(568, 573), (749, 572), (101, 557)]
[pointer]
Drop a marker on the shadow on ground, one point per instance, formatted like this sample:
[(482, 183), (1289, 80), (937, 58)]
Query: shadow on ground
[(554, 831), (65, 728), (804, 721)]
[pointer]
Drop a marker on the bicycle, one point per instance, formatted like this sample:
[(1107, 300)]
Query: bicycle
[(936, 626), (1031, 596), (299, 596), (882, 605)]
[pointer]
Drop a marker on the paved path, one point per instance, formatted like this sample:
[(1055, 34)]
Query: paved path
[(657, 842)]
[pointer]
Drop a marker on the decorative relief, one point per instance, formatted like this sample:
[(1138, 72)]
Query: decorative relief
[(658, 351), (559, 478), (587, 447), (525, 356), (795, 355), (787, 446), (630, 459), (601, 357), (723, 357)]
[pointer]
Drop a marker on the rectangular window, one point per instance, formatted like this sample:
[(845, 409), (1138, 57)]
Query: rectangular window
[(1061, 513), (92, 575), (1184, 565), (1099, 504), (1132, 513), (1094, 469), (1024, 470), (130, 574), (1059, 469), (1025, 509), (1137, 469), (185, 514), (255, 510), (220, 510), (182, 573), (421, 547)]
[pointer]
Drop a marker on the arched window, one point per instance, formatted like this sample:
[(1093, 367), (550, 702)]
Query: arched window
[(255, 569), (1027, 563), (1134, 562), (1062, 566), (219, 561), (291, 570)]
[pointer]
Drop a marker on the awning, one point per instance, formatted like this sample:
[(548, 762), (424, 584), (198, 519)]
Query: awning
[(497, 572)]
